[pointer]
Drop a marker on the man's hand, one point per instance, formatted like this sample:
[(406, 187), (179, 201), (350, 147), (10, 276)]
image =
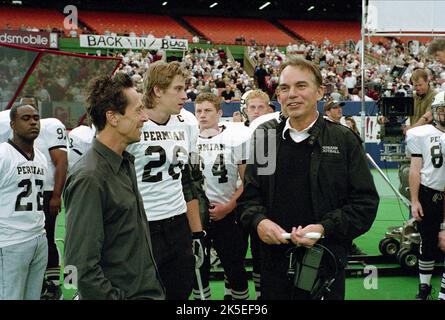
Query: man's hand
[(270, 232), (298, 238), (416, 210), (381, 120), (405, 128), (199, 249), (218, 211), (55, 204)]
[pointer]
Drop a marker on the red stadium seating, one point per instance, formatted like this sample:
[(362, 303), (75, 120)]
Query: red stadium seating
[(335, 31), (122, 23), (30, 17), (226, 30)]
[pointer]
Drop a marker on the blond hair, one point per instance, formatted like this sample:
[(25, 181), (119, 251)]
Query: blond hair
[(257, 93), (160, 74)]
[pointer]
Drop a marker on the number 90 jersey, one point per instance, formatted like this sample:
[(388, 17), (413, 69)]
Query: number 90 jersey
[(424, 141), (220, 156), (21, 201), (160, 157)]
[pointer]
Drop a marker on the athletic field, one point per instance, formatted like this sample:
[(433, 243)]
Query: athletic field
[(391, 213)]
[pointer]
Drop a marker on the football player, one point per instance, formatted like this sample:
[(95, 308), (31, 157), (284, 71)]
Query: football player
[(23, 244), (53, 144), (164, 178), (222, 154), (79, 141), (427, 183)]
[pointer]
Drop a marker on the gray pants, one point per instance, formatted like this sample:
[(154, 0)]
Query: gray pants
[(22, 268)]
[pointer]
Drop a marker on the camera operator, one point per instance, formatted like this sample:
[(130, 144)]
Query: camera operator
[(423, 97)]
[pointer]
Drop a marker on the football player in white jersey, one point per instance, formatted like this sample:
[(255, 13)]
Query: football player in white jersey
[(164, 178), (53, 144), (222, 154), (23, 244), (427, 183), (253, 104), (79, 141)]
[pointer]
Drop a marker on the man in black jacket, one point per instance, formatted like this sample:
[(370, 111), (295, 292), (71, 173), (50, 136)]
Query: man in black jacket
[(315, 179)]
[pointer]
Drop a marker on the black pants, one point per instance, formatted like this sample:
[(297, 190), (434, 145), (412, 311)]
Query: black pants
[(429, 228), (172, 248), (226, 236), (255, 250), (276, 284), (50, 228)]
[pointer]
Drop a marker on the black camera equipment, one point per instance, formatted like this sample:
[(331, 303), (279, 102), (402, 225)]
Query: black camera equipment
[(396, 111), (312, 270)]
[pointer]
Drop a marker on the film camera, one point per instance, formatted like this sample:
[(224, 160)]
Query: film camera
[(395, 110)]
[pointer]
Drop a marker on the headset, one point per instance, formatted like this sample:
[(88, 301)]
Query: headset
[(313, 270)]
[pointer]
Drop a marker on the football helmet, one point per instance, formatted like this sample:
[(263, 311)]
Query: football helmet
[(243, 105), (438, 108)]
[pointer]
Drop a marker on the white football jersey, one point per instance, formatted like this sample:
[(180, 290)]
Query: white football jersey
[(424, 141), (21, 187), (52, 136), (194, 126), (79, 142), (220, 156), (261, 119), (160, 157), (5, 128)]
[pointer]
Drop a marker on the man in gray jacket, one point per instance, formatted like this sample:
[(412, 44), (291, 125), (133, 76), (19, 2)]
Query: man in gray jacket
[(107, 235)]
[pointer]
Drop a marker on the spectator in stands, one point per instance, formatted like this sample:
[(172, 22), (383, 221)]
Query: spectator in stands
[(192, 93), (260, 77), (228, 94), (350, 122), (333, 110), (350, 81), (436, 49)]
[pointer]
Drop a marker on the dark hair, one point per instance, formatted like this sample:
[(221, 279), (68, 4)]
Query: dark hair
[(105, 93), (13, 110)]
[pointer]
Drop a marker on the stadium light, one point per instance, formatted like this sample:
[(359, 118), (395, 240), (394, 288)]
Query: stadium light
[(214, 4), (17, 2), (164, 3), (310, 8), (264, 5)]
